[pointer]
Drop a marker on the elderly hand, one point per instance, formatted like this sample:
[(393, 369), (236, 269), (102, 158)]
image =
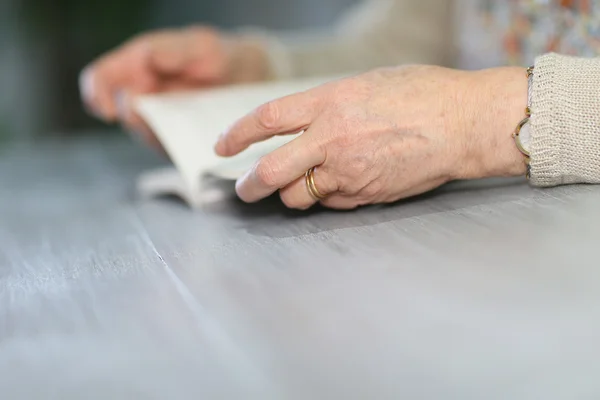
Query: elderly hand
[(385, 135), (165, 61)]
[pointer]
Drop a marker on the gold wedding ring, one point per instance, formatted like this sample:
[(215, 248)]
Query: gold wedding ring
[(310, 185)]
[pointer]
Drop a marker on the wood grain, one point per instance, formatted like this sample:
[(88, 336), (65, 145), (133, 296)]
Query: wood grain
[(479, 290)]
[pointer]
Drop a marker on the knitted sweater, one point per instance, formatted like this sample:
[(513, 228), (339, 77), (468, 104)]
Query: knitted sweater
[(565, 124)]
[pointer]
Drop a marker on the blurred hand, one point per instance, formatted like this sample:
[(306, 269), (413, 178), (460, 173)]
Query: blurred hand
[(385, 135), (166, 61)]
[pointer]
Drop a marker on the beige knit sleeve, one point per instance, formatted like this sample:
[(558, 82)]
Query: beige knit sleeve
[(565, 121), (375, 33)]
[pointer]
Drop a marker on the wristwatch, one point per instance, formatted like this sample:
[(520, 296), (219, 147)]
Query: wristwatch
[(522, 134)]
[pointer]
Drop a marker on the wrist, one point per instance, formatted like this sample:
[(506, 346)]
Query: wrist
[(498, 98)]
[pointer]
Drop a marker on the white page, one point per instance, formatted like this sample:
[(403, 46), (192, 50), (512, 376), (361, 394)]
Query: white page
[(188, 124)]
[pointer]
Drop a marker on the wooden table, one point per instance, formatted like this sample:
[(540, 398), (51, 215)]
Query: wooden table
[(481, 290)]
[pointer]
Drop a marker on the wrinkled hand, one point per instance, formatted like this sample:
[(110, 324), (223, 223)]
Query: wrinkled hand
[(165, 61), (384, 136)]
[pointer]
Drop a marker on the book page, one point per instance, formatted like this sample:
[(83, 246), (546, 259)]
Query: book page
[(188, 124)]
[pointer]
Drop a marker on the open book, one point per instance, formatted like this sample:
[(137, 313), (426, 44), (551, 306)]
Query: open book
[(188, 125)]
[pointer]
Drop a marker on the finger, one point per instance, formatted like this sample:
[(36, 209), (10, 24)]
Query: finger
[(127, 113), (97, 85), (133, 123), (290, 114), (297, 194), (125, 68), (87, 92), (281, 167), (96, 99)]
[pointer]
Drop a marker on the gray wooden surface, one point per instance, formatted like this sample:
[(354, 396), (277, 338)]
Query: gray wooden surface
[(486, 290)]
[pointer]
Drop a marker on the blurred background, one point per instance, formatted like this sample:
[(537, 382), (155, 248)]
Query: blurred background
[(44, 44)]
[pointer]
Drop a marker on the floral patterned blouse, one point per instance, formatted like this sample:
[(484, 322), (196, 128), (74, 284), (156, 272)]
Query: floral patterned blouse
[(528, 28)]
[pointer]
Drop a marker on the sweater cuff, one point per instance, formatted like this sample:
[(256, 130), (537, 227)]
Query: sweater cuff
[(565, 121)]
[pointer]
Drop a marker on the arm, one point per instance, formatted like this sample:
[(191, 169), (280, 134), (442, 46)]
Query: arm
[(565, 122), (375, 33)]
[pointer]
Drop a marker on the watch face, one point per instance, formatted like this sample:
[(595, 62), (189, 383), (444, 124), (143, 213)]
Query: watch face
[(525, 136)]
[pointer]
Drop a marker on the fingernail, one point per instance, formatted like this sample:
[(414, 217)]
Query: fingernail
[(86, 85), (220, 144), (239, 185), (86, 90)]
